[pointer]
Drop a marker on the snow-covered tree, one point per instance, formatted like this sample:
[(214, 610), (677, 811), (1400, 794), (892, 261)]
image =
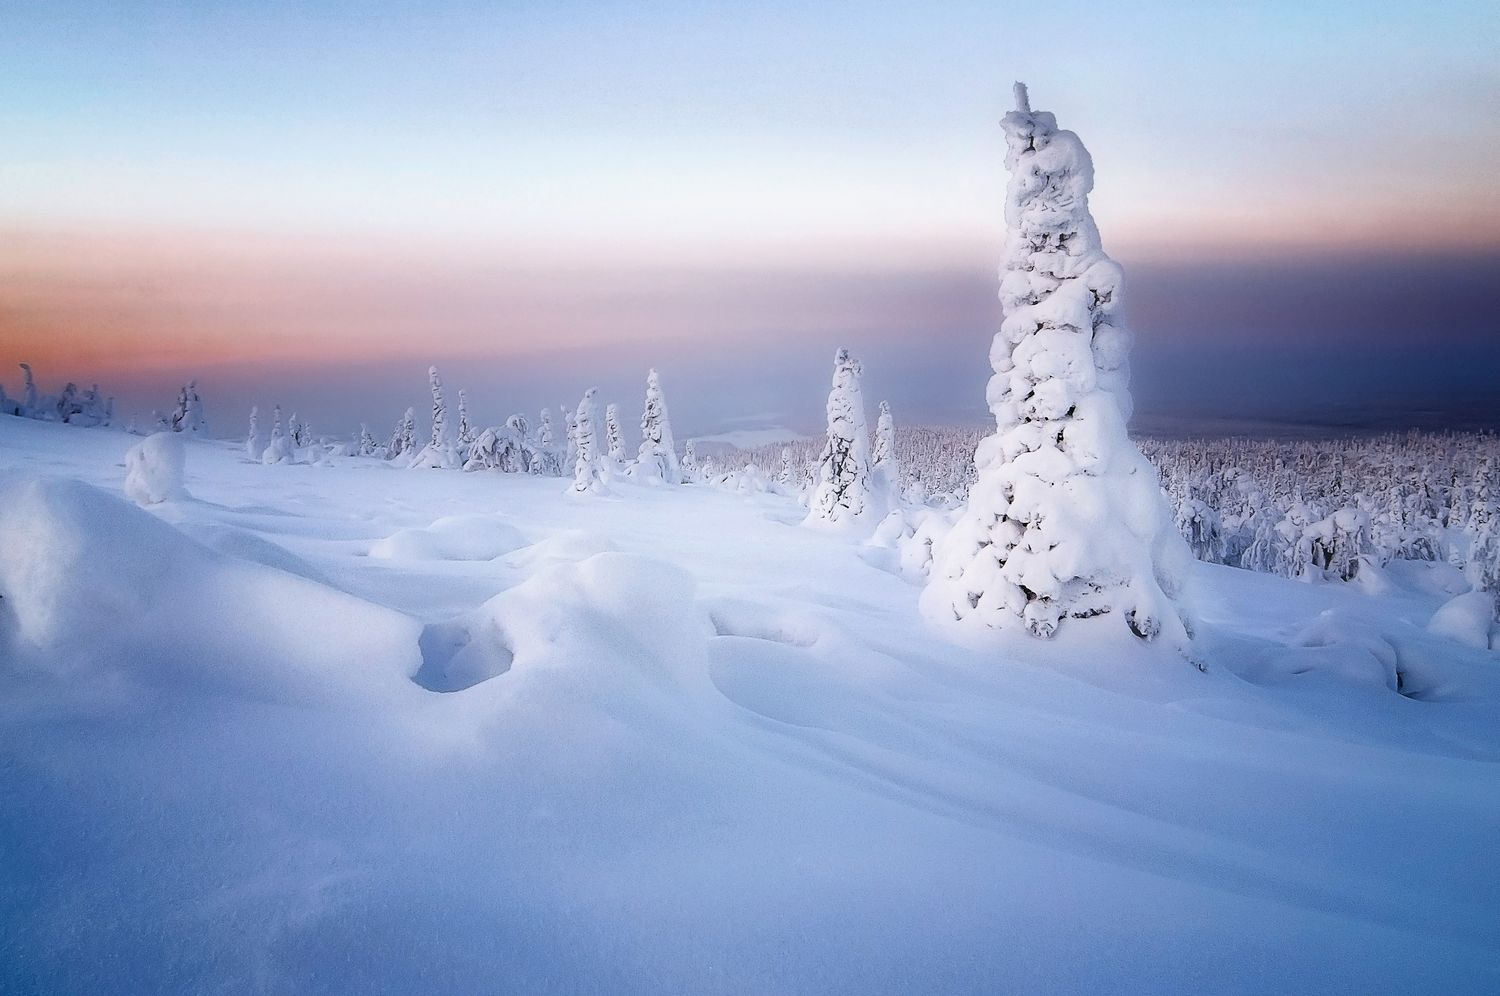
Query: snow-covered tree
[(366, 445), (548, 461), (438, 454), (1066, 520), (279, 449), (842, 495), (465, 427), (691, 472), (29, 404), (255, 443), (403, 438), (570, 424), (67, 405), (192, 411), (589, 473), (885, 465), (439, 409), (614, 438), (656, 459)]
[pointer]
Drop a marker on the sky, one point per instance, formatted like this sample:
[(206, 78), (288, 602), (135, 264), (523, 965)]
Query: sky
[(309, 203)]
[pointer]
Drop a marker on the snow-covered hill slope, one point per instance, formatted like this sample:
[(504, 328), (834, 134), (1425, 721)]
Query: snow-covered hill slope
[(354, 729)]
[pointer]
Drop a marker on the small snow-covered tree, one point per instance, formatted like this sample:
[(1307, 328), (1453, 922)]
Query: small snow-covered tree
[(885, 465), (570, 424), (279, 449), (615, 439), (465, 427), (255, 443), (439, 409), (548, 462), (842, 494), (366, 445), (67, 405), (29, 404), (403, 438), (192, 412), (656, 460), (438, 454), (1066, 520), (691, 472), (589, 474)]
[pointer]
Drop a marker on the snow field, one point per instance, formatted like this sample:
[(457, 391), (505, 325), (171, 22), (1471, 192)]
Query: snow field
[(666, 740)]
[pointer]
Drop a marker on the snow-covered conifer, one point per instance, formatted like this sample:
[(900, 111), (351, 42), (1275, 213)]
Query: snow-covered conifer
[(255, 444), (439, 409), (192, 410), (842, 495), (465, 427), (614, 437), (29, 405), (403, 438), (656, 460), (589, 473), (366, 445), (690, 470), (885, 466), (279, 449), (1066, 520)]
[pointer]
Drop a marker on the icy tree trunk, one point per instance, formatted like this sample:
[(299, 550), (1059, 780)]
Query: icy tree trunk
[(842, 496), (1066, 520)]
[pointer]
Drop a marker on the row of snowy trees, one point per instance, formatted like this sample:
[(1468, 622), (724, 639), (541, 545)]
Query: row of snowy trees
[(591, 452), (85, 407)]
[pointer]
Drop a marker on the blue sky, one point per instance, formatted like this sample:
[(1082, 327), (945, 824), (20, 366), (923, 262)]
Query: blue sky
[(253, 188)]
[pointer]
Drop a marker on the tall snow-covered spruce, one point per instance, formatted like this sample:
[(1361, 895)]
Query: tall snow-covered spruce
[(1066, 521), (842, 494)]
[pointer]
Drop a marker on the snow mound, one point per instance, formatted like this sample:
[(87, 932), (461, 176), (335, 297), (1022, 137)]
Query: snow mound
[(154, 469), (596, 615), (1466, 619), (94, 583), (1334, 645), (456, 537), (564, 546)]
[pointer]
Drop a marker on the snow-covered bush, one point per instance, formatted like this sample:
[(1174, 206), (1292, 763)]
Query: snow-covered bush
[(1066, 520), (255, 443), (154, 469)]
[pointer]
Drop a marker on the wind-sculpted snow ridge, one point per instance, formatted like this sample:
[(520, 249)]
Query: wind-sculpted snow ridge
[(676, 743)]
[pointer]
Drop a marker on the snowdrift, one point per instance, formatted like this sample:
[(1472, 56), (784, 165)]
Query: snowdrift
[(92, 583)]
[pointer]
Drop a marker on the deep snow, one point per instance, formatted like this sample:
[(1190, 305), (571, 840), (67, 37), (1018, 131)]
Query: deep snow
[(359, 729)]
